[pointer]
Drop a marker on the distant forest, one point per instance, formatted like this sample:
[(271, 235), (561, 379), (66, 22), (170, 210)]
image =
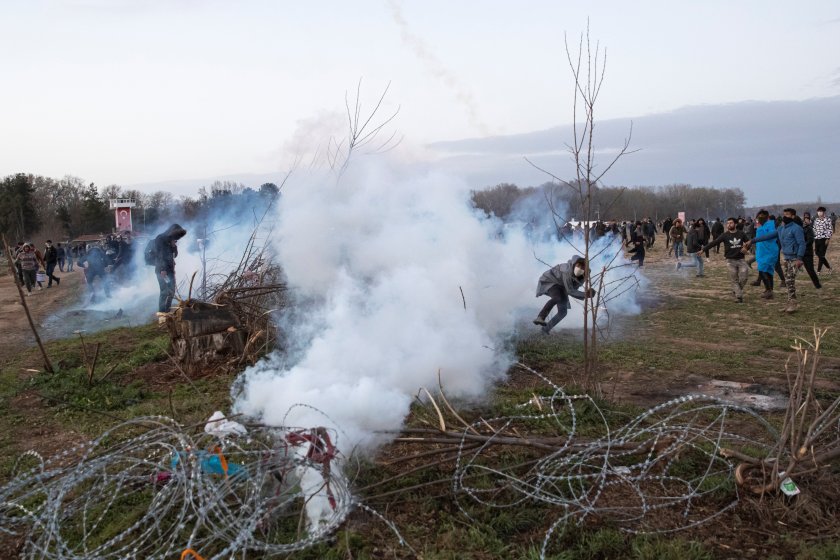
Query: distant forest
[(62, 209), (508, 201)]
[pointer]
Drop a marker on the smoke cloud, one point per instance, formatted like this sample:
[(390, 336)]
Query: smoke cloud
[(378, 262)]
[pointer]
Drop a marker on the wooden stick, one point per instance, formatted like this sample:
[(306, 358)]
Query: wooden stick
[(48, 367)]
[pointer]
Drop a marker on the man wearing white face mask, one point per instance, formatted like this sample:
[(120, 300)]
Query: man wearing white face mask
[(559, 283)]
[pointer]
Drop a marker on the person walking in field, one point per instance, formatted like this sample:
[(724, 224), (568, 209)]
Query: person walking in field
[(791, 237), (677, 233), (29, 262), (823, 230), (61, 257), (717, 230), (808, 260), (666, 228), (50, 262), (694, 247), (766, 253), (734, 242)]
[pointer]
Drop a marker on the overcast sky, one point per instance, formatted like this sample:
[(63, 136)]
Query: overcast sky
[(147, 91)]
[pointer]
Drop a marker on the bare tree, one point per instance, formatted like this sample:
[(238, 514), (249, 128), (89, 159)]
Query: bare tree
[(364, 130), (588, 67)]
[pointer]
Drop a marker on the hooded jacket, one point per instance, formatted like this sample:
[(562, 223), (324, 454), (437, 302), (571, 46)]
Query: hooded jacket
[(766, 252), (791, 238), (166, 250), (694, 240), (563, 275)]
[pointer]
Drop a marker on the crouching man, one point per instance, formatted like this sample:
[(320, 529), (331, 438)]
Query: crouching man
[(560, 283)]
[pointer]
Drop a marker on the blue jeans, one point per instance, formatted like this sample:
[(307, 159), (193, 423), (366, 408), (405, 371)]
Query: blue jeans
[(697, 262), (167, 291), (678, 249)]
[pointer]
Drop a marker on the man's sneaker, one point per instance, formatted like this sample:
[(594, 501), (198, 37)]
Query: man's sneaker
[(58, 281), (756, 283), (539, 321), (701, 276), (679, 265), (792, 306), (783, 284), (740, 299), (768, 294)]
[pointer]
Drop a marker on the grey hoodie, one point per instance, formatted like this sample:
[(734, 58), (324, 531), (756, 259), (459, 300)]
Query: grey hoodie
[(562, 275)]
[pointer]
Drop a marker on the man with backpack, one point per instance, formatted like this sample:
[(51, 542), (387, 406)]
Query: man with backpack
[(161, 253)]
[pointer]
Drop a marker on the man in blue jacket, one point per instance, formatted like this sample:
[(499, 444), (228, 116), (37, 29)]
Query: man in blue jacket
[(766, 253), (792, 241)]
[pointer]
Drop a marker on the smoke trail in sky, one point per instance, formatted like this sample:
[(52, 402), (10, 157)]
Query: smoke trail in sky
[(419, 47)]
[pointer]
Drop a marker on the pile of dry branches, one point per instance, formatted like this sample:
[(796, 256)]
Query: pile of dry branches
[(231, 323)]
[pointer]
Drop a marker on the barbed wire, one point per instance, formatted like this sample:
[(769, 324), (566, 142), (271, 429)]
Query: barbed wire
[(646, 476), (148, 488)]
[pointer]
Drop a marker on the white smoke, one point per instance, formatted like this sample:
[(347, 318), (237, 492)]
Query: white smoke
[(387, 258), (224, 232)]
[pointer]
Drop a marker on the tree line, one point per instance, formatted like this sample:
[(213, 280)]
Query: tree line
[(63, 209), (618, 203)]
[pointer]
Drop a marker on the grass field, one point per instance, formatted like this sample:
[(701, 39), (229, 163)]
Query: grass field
[(690, 331)]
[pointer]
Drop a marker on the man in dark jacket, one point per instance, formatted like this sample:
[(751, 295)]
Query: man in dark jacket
[(666, 227), (61, 257), (792, 240), (693, 247), (95, 263), (50, 262), (734, 242), (717, 230), (559, 283), (808, 260), (166, 250)]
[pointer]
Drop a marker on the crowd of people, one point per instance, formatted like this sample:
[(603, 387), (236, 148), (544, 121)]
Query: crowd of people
[(102, 262), (778, 245), (105, 262)]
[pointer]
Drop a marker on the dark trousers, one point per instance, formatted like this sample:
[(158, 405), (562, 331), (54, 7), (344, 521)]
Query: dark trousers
[(28, 278), (167, 291), (50, 270), (91, 274), (766, 278), (560, 298), (19, 274), (779, 270), (638, 253), (808, 263), (61, 265), (820, 247)]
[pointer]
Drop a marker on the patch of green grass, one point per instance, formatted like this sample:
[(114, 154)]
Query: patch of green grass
[(826, 551), (661, 548)]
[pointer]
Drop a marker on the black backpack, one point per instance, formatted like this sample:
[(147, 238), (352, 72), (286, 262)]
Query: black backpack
[(150, 253)]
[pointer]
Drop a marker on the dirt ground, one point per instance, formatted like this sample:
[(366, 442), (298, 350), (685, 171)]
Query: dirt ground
[(42, 304), (38, 431)]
